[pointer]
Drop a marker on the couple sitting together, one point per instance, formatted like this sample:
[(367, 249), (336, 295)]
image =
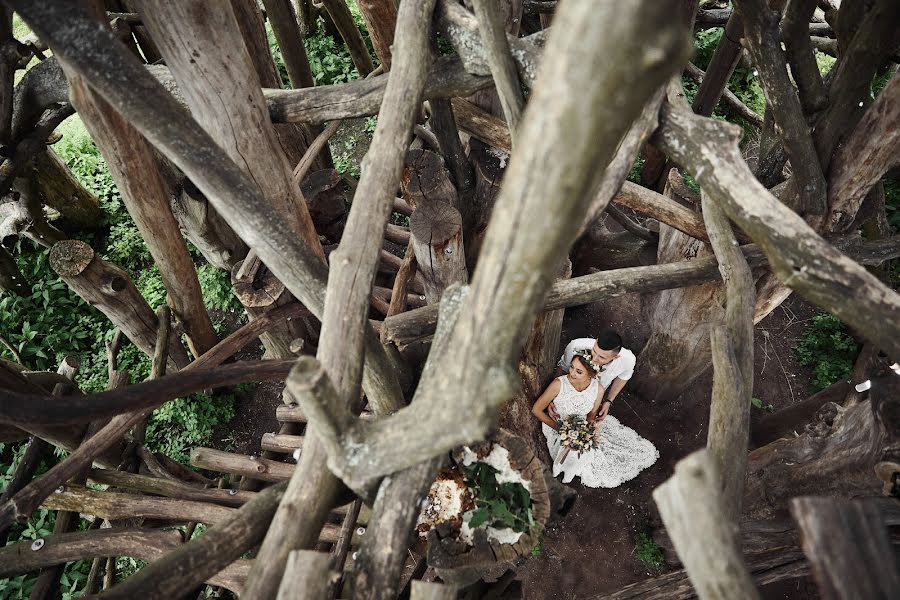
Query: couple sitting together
[(593, 368)]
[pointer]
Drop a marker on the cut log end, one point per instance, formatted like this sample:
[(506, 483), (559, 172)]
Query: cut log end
[(70, 258), (435, 221)]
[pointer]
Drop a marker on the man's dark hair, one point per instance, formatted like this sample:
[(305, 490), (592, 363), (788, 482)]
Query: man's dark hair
[(609, 340)]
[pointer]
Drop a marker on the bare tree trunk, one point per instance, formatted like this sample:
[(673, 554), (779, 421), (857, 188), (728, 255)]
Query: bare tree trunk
[(381, 20), (139, 177)]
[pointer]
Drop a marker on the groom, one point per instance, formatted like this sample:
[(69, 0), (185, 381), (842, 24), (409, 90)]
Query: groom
[(616, 365)]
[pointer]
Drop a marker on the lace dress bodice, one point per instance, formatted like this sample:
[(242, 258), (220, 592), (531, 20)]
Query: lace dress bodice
[(570, 401)]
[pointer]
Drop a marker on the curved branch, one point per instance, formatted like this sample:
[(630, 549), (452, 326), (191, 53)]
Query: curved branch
[(798, 256), (30, 409)]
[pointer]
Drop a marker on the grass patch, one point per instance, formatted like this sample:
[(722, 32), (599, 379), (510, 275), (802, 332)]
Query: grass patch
[(649, 552)]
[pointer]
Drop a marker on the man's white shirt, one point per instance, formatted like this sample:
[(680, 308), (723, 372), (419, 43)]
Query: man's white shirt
[(622, 366)]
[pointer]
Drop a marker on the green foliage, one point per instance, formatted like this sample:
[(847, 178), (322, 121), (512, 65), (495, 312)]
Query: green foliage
[(345, 164), (52, 321), (634, 175), (216, 286), (179, 425), (757, 403), (826, 346), (691, 182), (539, 547), (824, 62), (371, 123), (500, 505), (744, 82), (649, 552)]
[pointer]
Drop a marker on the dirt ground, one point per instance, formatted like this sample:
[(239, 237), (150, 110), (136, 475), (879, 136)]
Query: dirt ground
[(592, 550)]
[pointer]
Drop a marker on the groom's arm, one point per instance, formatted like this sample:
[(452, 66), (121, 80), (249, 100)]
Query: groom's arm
[(615, 387)]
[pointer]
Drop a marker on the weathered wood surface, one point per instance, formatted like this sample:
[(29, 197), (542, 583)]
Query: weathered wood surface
[(361, 98), (381, 21), (310, 575), (192, 563), (848, 548), (117, 505), (691, 506), (240, 464), (343, 20), (139, 178), (437, 239), (170, 489), (281, 443), (799, 257), (482, 125), (111, 290), (38, 408), (59, 189), (425, 178)]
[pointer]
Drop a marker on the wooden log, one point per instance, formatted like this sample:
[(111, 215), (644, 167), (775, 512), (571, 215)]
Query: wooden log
[(481, 125), (109, 288), (848, 548), (138, 543), (691, 507), (291, 413), (198, 560), (425, 178), (281, 443), (397, 234), (446, 79), (732, 101), (170, 489), (239, 464), (836, 455), (26, 468), (139, 177), (381, 21), (40, 408), (870, 150), (721, 66), (427, 590), (346, 26), (437, 239), (342, 547), (308, 575), (280, 14), (814, 268), (58, 188), (732, 358), (116, 505)]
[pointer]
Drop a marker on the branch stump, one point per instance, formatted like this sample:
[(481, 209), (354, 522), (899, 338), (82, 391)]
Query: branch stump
[(437, 239), (110, 289), (425, 178)]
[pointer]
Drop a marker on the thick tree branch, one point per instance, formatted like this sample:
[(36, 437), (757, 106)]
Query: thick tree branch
[(691, 506), (869, 152), (802, 260), (804, 70), (128, 86), (503, 68), (763, 38)]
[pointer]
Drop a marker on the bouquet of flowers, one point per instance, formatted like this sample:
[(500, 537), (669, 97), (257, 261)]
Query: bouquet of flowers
[(577, 434)]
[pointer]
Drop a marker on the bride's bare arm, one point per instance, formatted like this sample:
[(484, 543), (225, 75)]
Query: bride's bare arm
[(540, 406)]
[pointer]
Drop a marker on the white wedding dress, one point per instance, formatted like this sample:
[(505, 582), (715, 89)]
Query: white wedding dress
[(622, 453)]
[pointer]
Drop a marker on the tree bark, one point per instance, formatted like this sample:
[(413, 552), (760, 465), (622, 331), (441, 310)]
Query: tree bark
[(381, 21), (436, 237), (848, 548), (59, 189), (345, 24), (721, 66), (281, 16), (109, 288), (691, 507), (139, 177)]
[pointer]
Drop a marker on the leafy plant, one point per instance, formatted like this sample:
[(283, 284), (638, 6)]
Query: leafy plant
[(649, 552), (345, 164), (500, 505), (828, 348), (757, 403)]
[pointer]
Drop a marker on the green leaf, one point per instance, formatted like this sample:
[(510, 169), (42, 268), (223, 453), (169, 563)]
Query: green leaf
[(479, 517)]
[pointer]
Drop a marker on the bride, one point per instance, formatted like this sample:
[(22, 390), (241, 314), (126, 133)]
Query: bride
[(622, 453)]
